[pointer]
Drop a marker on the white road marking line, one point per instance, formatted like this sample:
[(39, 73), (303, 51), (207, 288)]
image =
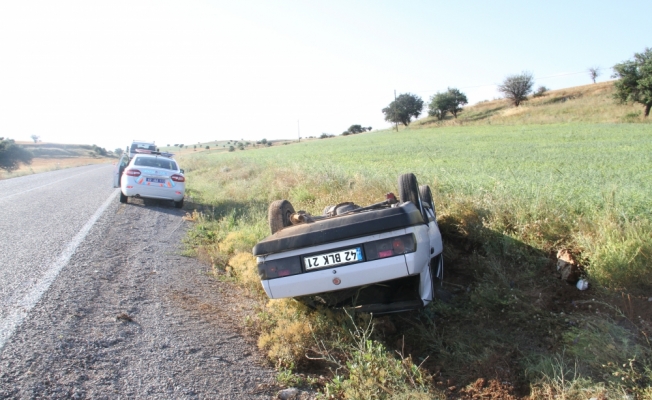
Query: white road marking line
[(19, 311), (48, 184)]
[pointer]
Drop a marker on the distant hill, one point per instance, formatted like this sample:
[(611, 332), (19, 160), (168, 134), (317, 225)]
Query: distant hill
[(590, 103), (57, 150), (53, 156), (223, 146)]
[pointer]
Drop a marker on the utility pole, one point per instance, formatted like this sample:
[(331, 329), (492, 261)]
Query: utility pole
[(395, 106)]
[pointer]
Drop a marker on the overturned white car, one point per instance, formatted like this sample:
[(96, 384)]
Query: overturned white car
[(386, 257)]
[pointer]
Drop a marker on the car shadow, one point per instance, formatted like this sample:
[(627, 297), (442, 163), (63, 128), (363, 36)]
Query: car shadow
[(235, 209), (163, 206)]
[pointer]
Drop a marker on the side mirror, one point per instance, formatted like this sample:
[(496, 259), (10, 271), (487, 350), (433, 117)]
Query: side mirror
[(182, 171)]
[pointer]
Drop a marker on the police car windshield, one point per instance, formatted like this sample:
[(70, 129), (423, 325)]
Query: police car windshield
[(155, 162), (142, 146)]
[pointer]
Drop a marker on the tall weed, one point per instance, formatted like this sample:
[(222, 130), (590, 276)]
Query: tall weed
[(371, 372), (620, 252)]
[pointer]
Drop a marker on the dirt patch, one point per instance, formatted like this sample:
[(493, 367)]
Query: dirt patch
[(477, 344), (487, 389)]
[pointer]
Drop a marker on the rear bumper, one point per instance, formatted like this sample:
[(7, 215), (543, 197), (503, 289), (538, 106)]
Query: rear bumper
[(348, 277), (151, 192)]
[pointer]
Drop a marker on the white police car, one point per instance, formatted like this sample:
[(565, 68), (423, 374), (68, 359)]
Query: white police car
[(150, 174)]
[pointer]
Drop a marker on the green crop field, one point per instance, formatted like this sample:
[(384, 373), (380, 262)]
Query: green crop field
[(508, 198), (579, 168)]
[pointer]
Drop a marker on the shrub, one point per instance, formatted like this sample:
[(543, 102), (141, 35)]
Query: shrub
[(632, 116), (540, 92), (620, 253), (374, 373), (288, 335)]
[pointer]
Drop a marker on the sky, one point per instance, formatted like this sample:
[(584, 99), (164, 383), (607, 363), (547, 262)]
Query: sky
[(110, 72)]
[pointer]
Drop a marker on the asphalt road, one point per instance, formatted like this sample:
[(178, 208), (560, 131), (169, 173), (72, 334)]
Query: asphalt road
[(96, 300), (41, 216)]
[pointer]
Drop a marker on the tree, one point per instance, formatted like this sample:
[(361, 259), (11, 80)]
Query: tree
[(208, 147), (12, 155), (403, 109), (594, 72), (35, 138), (439, 104), (356, 129), (517, 87), (99, 150), (458, 99), (118, 151), (353, 129), (231, 148), (634, 82), (451, 101)]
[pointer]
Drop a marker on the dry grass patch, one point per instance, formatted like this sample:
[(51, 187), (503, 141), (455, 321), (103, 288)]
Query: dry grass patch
[(39, 165), (592, 103)]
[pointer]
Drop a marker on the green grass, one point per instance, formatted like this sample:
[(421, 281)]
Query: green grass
[(579, 168), (507, 198), (586, 186)]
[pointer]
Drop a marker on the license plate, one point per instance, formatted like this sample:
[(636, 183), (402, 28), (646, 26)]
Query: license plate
[(332, 259), (155, 180)]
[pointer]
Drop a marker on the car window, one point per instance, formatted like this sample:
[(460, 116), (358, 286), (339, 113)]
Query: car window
[(142, 146), (141, 162), (155, 162)]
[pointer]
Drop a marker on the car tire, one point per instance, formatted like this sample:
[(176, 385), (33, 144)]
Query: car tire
[(408, 190), (279, 215), (120, 171), (178, 204), (123, 198), (426, 198)]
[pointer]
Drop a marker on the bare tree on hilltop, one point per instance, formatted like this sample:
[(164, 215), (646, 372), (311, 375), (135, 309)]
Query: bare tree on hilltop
[(594, 72), (517, 87)]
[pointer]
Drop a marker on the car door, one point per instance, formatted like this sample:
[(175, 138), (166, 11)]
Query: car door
[(436, 245), (119, 169)]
